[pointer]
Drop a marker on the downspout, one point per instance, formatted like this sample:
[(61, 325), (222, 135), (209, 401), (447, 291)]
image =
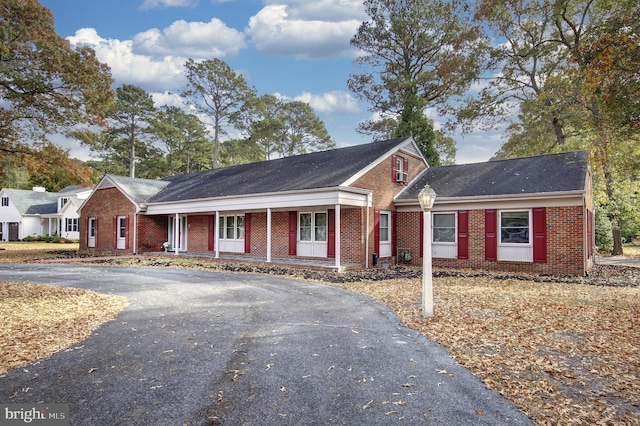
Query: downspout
[(135, 233)]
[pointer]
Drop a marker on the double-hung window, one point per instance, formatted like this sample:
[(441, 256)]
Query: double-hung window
[(313, 229), (444, 231), (514, 227), (515, 232), (231, 232), (231, 227), (71, 225)]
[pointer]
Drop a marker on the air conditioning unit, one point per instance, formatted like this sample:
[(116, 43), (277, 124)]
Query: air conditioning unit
[(402, 177)]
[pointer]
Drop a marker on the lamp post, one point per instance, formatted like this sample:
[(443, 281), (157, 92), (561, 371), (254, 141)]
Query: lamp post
[(427, 197)]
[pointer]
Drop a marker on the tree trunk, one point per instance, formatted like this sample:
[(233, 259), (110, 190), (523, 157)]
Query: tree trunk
[(617, 240)]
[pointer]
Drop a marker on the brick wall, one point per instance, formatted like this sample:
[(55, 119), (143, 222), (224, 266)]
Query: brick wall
[(104, 204), (198, 234), (152, 232), (565, 244), (380, 181)]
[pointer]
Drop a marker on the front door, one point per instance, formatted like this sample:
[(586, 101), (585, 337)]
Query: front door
[(14, 228), (91, 241), (122, 232)]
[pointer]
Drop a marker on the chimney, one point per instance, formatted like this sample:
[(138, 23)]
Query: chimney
[(39, 189)]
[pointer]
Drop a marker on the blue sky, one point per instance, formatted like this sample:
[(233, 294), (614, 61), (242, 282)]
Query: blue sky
[(296, 49)]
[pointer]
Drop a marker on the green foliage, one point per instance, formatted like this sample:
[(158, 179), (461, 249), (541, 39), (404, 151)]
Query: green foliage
[(47, 88), (184, 138), (218, 92), (603, 234)]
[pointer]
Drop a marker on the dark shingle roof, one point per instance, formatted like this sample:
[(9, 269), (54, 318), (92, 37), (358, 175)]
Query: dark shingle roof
[(562, 172), (324, 169)]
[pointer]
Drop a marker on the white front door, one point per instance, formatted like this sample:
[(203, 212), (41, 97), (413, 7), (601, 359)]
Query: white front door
[(91, 240), (122, 232)]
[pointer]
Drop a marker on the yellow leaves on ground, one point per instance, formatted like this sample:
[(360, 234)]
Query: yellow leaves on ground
[(564, 353), (37, 320)]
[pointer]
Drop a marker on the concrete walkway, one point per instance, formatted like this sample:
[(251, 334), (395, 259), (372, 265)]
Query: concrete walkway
[(201, 348)]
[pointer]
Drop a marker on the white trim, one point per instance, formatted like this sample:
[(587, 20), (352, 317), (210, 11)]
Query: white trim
[(260, 202), (445, 250), (552, 199)]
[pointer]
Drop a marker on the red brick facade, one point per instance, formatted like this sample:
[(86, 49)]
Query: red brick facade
[(566, 230), (565, 244), (105, 205)]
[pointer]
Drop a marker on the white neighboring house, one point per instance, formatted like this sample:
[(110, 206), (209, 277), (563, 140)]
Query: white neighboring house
[(36, 213)]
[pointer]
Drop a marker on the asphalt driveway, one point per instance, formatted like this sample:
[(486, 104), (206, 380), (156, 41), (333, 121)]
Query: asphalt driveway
[(203, 348)]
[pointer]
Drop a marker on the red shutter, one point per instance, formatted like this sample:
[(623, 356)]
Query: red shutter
[(421, 233), (590, 241), (490, 235), (463, 234), (394, 233), (212, 232), (247, 232), (331, 236), (126, 234), (293, 233), (405, 166), (86, 227), (540, 235), (376, 232), (393, 168), (115, 232)]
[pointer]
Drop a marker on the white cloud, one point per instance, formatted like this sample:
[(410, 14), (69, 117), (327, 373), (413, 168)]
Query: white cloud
[(277, 30), (323, 10), (330, 102), (198, 40), (335, 102), (153, 4), (128, 67)]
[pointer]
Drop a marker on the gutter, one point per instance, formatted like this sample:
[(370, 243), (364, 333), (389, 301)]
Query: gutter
[(491, 198)]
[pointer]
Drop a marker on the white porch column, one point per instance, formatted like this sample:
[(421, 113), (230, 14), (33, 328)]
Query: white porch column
[(216, 232), (176, 234), (268, 234), (338, 232)]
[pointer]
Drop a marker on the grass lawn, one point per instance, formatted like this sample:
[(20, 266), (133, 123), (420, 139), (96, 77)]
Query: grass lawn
[(563, 353)]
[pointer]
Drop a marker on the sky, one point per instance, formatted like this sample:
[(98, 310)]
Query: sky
[(295, 49)]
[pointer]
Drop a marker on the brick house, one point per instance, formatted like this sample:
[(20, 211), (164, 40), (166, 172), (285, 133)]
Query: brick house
[(337, 207)]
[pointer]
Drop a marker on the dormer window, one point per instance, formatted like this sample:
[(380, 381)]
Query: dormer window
[(63, 201), (5, 201), (400, 172)]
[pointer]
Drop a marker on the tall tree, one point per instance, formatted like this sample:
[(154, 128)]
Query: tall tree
[(216, 91), (302, 130), (46, 87), (131, 120), (556, 67), (184, 137), (413, 50)]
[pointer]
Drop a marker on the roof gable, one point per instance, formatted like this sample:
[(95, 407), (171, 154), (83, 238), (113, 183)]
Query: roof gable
[(33, 202), (323, 169), (562, 172)]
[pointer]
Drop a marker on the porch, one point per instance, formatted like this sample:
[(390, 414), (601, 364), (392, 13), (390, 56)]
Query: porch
[(328, 265)]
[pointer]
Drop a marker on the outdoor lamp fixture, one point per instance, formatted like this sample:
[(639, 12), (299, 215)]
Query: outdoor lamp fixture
[(427, 197)]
